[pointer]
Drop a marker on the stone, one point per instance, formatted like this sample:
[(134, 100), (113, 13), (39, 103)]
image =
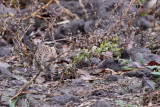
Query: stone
[(148, 84), (63, 99), (139, 73), (5, 51), (101, 103), (111, 64), (141, 54)]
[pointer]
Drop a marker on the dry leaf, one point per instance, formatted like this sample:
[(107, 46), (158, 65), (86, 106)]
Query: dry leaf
[(152, 63)]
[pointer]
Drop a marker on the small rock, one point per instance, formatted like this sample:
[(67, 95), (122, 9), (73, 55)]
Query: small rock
[(146, 72), (148, 84), (94, 61), (4, 65), (111, 64), (5, 51), (99, 93), (141, 54), (101, 103), (142, 23), (139, 73), (135, 86), (65, 99), (71, 28), (5, 69), (3, 42)]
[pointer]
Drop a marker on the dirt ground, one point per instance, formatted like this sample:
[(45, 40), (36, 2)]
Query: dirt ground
[(107, 53)]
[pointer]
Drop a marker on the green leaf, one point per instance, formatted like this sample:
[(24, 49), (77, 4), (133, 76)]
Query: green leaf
[(141, 58), (12, 103), (158, 67), (101, 46), (156, 73), (81, 57), (143, 14), (104, 50), (25, 105), (105, 41), (119, 102), (126, 68), (151, 67), (130, 105)]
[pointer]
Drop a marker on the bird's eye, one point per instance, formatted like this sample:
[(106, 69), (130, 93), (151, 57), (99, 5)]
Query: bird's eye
[(51, 44)]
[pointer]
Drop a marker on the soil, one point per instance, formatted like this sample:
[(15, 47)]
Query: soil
[(108, 53)]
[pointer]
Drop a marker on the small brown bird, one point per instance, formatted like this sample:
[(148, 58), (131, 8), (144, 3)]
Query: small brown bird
[(44, 55)]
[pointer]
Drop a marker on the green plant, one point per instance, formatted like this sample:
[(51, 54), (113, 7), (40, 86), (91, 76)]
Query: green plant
[(12, 103), (122, 104), (86, 54), (140, 2), (126, 64), (113, 46), (141, 58), (95, 50), (107, 46), (156, 70), (119, 102)]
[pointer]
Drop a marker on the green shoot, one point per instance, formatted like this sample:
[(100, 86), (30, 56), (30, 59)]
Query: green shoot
[(12, 103)]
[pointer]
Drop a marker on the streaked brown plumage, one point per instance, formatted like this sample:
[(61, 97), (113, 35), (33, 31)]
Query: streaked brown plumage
[(45, 54)]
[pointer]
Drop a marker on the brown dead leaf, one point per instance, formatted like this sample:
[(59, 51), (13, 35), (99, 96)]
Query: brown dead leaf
[(152, 63)]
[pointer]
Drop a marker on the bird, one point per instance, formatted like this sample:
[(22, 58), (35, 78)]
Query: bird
[(45, 52), (45, 57)]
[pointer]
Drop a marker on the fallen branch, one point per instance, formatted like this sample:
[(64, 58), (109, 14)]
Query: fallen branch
[(25, 85)]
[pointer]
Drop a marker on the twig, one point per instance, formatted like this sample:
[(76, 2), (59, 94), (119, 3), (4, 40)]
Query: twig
[(64, 10), (36, 12), (112, 12), (131, 2), (25, 85)]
